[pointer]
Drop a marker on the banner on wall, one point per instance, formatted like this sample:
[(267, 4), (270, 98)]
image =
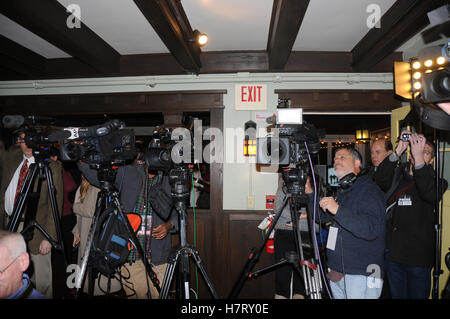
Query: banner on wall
[(250, 97)]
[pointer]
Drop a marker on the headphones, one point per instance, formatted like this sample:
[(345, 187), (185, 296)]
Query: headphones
[(347, 181)]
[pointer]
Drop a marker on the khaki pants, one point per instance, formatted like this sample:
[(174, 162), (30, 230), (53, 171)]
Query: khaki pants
[(138, 280), (42, 275)]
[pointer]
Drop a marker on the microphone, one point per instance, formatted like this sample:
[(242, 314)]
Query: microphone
[(13, 121)]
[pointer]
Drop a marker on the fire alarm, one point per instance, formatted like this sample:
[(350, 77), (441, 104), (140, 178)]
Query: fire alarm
[(270, 200)]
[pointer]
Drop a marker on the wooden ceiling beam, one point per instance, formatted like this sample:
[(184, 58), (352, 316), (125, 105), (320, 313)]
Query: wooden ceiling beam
[(287, 17), (169, 21), (19, 59), (402, 21), (48, 19)]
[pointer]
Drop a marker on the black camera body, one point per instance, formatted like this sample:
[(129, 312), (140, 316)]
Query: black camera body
[(436, 86), (405, 137), (101, 144), (288, 148)]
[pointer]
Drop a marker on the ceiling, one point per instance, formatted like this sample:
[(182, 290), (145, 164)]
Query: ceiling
[(38, 39), (135, 37)]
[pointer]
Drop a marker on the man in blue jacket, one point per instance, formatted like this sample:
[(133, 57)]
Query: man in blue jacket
[(355, 244)]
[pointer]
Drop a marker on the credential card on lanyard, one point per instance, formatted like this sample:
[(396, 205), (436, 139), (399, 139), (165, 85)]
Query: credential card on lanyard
[(332, 236)]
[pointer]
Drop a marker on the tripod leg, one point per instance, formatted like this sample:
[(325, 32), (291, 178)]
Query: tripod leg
[(84, 261), (208, 282), (56, 216), (169, 275), (254, 256), (18, 210)]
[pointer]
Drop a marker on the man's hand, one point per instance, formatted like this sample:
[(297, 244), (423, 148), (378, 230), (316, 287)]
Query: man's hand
[(328, 203), (45, 247), (402, 145), (417, 144), (76, 239), (161, 231)]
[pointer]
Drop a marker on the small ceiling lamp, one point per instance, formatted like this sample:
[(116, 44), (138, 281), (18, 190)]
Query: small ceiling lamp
[(200, 38)]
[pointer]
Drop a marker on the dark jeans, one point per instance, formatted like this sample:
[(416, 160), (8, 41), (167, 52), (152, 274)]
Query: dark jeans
[(408, 282)]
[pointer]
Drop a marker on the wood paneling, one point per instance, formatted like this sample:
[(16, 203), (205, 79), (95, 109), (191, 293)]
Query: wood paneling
[(117, 103), (342, 100)]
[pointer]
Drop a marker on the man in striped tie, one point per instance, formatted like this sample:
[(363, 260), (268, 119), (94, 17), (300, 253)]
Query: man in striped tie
[(16, 162)]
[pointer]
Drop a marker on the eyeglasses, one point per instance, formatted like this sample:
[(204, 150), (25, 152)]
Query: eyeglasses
[(427, 153), (6, 268)]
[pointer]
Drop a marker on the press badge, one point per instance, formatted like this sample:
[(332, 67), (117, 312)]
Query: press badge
[(332, 236), (404, 201)]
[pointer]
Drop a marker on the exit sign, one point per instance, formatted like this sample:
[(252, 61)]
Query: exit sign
[(250, 97)]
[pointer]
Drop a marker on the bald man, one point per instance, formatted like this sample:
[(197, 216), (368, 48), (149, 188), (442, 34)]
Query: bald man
[(14, 260)]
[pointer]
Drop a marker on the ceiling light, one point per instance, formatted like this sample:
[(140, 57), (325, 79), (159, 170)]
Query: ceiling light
[(200, 38), (428, 63)]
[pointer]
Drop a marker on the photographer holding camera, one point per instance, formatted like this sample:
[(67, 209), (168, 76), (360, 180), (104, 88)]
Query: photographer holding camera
[(411, 195), (142, 192)]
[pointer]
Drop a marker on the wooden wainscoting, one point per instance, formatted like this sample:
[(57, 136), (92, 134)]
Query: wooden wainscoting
[(224, 255)]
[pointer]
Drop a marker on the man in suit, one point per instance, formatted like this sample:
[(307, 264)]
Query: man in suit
[(39, 247)]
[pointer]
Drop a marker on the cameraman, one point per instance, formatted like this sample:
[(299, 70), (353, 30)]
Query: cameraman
[(16, 163), (136, 186), (356, 236), (411, 195)]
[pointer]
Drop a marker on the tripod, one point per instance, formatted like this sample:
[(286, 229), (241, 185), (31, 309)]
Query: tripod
[(179, 180), (294, 179), (108, 198), (30, 200)]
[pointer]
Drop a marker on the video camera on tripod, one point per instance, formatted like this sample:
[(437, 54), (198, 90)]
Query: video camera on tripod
[(286, 147), (291, 148), (110, 142), (172, 152)]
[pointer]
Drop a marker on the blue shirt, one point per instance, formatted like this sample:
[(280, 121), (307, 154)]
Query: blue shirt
[(26, 283)]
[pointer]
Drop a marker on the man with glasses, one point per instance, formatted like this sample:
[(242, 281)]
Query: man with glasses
[(411, 196), (14, 260)]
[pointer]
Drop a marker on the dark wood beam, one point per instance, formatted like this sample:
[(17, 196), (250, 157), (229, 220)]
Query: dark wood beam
[(342, 100), (19, 59), (169, 21), (212, 63), (48, 20), (287, 17), (401, 22)]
